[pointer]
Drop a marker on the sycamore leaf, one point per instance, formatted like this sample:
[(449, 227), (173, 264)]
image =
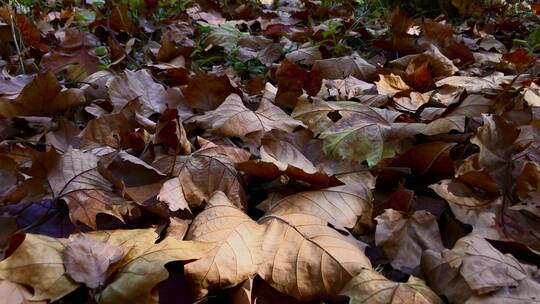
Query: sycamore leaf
[(37, 263), (137, 85), (236, 236), (43, 96), (13, 293), (370, 287), (342, 67), (495, 139), (208, 91), (74, 177), (209, 169), (480, 265), (86, 260), (232, 118), (340, 206), (360, 133), (403, 238), (308, 260), (281, 157), (142, 266)]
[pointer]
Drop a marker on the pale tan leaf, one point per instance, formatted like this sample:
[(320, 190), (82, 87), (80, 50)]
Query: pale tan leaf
[(87, 261), (232, 118), (13, 293), (370, 287), (238, 246), (209, 169), (131, 85), (308, 260), (37, 263), (391, 85), (340, 206)]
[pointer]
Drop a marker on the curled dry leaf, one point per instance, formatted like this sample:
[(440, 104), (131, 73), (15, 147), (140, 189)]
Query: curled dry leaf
[(280, 157), (370, 286), (13, 293), (87, 261), (403, 238), (392, 85), (237, 237), (232, 118)]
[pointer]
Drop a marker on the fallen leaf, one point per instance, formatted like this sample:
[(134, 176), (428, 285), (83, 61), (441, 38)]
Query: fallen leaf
[(370, 286), (404, 237), (208, 91), (232, 118), (87, 261), (237, 237)]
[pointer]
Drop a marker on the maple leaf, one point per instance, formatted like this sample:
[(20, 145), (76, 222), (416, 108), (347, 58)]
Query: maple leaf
[(232, 118), (237, 237), (73, 54), (39, 261), (370, 286), (403, 237), (209, 169), (137, 85), (360, 133), (74, 178)]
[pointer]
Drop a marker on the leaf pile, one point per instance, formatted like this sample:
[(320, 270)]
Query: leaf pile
[(236, 151)]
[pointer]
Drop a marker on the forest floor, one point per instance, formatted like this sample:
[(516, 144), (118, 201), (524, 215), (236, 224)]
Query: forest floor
[(235, 151)]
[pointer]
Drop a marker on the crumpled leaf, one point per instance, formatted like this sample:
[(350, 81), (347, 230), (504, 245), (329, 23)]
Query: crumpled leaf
[(342, 67), (370, 286), (237, 237), (391, 85), (403, 237), (232, 118), (86, 260), (16, 294)]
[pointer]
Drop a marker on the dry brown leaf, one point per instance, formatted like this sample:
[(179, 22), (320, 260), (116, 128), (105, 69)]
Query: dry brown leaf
[(484, 268), (209, 169), (87, 261), (232, 118), (391, 85), (208, 91), (137, 85), (74, 177), (403, 237), (370, 286), (342, 67), (341, 206), (306, 259), (43, 96), (13, 293), (495, 139), (237, 254)]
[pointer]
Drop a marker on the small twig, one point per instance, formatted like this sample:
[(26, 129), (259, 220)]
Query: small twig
[(16, 43)]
